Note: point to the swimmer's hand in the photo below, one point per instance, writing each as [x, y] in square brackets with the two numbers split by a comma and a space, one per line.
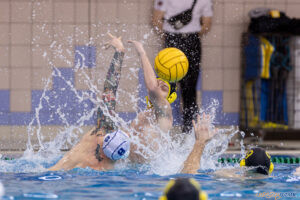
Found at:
[202, 135]
[115, 42]
[201, 127]
[138, 46]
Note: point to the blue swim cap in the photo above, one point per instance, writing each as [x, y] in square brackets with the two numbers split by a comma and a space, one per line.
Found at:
[116, 145]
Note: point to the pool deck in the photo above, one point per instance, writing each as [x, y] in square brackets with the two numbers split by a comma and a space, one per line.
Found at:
[287, 147]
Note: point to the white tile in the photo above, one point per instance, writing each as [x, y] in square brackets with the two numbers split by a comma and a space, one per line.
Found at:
[232, 35]
[233, 13]
[212, 79]
[20, 100]
[212, 58]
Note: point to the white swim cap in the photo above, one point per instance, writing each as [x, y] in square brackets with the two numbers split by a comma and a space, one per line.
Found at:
[116, 145]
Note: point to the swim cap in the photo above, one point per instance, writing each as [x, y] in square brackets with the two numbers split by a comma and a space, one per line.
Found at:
[183, 189]
[116, 145]
[172, 95]
[258, 157]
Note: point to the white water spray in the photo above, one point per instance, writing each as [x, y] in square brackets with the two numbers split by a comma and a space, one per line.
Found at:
[169, 154]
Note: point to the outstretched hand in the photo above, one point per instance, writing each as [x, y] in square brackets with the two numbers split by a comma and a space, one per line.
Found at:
[115, 42]
[201, 127]
[138, 46]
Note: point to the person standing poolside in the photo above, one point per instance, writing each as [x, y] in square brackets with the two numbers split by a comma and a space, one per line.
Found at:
[182, 24]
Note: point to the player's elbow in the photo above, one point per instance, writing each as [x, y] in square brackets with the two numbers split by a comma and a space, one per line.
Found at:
[152, 86]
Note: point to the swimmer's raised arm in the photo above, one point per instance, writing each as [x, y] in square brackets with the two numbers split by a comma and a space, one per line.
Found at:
[202, 135]
[113, 75]
[111, 84]
[149, 74]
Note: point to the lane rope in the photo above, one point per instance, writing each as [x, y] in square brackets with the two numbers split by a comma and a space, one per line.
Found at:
[274, 159]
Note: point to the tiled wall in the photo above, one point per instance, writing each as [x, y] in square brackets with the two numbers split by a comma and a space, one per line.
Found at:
[38, 36]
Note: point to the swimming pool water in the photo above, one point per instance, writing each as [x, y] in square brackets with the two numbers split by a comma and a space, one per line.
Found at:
[132, 184]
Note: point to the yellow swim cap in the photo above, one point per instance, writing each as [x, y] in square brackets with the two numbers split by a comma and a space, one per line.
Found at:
[172, 95]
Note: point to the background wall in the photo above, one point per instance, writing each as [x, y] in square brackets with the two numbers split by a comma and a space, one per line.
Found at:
[41, 39]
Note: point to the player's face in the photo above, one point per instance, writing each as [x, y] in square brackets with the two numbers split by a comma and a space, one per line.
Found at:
[164, 87]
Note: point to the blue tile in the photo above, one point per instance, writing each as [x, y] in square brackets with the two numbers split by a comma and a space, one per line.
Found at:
[92, 121]
[62, 99]
[231, 119]
[4, 118]
[86, 105]
[21, 118]
[5, 100]
[127, 116]
[49, 118]
[209, 97]
[61, 77]
[177, 115]
[85, 56]
[142, 90]
[49, 105]
[221, 118]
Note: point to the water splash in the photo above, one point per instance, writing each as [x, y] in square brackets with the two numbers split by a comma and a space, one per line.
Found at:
[2, 191]
[216, 147]
[169, 153]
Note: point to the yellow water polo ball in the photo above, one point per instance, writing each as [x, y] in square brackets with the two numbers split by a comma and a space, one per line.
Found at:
[171, 64]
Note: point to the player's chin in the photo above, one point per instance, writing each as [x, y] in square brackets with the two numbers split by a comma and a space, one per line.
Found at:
[165, 94]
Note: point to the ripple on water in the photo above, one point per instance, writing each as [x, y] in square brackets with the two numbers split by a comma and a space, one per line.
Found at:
[41, 195]
[50, 178]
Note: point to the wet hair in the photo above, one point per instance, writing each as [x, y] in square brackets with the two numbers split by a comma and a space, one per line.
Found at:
[173, 88]
[183, 189]
[258, 158]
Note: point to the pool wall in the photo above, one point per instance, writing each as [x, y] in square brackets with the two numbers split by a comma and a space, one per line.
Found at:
[36, 36]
